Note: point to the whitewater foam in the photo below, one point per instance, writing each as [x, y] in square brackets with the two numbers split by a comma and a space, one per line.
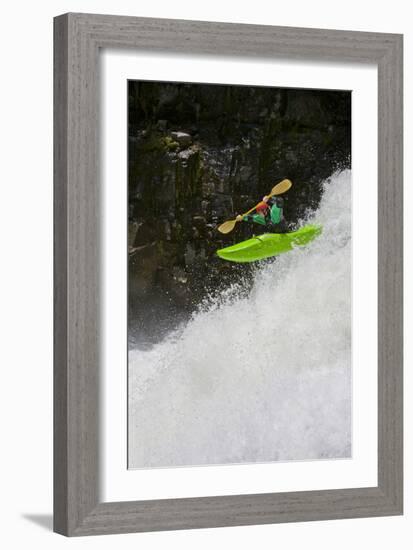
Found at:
[257, 378]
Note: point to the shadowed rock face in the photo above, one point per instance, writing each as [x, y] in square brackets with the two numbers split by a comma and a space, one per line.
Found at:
[198, 155]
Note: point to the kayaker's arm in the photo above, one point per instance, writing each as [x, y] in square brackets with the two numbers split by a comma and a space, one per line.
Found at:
[254, 218]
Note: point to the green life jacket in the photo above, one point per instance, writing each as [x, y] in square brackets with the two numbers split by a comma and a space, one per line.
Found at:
[275, 216]
[276, 213]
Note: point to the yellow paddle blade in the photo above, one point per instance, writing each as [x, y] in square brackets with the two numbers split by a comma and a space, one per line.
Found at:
[227, 227]
[280, 188]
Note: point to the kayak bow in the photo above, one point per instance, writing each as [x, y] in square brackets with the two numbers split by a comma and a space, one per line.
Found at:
[269, 244]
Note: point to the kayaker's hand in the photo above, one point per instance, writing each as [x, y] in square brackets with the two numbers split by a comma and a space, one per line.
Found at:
[239, 218]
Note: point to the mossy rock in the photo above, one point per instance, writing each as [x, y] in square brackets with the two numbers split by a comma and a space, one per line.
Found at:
[156, 143]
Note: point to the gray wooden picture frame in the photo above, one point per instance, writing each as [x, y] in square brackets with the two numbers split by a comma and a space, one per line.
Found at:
[77, 506]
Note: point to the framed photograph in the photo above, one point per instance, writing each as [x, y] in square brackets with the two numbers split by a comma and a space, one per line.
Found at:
[228, 274]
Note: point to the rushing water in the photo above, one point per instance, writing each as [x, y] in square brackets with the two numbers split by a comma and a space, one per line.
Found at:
[257, 378]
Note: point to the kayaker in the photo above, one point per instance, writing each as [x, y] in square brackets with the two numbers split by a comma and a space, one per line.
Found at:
[269, 213]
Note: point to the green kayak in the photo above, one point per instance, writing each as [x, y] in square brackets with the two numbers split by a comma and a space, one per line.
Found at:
[269, 244]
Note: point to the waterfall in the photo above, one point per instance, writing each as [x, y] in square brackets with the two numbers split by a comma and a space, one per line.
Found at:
[260, 376]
